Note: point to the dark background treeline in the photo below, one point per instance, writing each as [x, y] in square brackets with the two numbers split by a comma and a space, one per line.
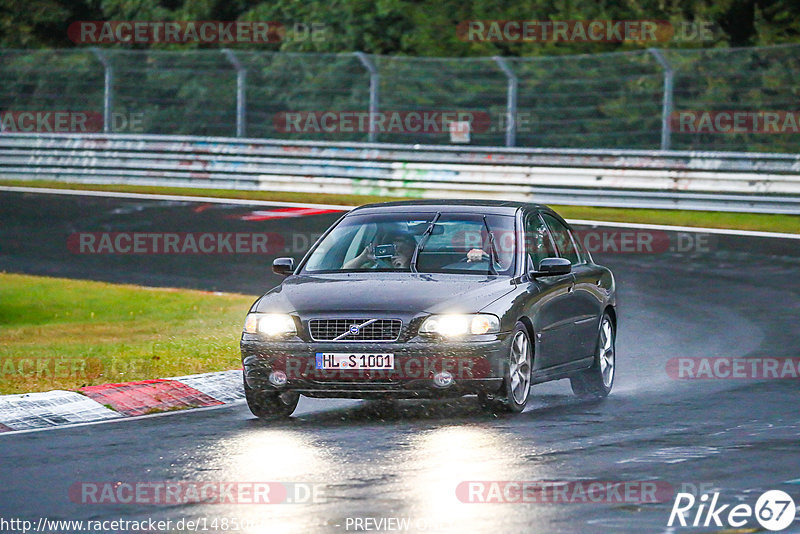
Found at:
[408, 27]
[570, 94]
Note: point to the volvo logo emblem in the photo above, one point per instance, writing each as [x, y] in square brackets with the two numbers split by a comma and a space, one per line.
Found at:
[354, 330]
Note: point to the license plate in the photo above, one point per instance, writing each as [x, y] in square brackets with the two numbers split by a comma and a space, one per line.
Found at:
[346, 360]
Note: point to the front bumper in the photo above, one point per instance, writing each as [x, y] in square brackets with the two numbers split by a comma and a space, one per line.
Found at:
[476, 365]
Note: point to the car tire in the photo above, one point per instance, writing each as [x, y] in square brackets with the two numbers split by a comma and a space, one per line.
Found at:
[517, 380]
[597, 381]
[270, 405]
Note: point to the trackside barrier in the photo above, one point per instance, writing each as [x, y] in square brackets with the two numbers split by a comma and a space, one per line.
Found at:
[719, 181]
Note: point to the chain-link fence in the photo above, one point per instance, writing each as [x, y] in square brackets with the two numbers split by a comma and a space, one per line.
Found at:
[704, 99]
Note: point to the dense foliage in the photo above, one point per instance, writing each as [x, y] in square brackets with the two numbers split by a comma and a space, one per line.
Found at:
[411, 27]
[571, 94]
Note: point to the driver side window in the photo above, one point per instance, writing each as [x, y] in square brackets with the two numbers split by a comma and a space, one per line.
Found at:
[561, 235]
[538, 244]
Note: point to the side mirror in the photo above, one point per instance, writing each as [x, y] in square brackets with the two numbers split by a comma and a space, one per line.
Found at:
[283, 266]
[553, 267]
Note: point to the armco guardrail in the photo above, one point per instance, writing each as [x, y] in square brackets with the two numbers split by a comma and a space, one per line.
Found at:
[768, 183]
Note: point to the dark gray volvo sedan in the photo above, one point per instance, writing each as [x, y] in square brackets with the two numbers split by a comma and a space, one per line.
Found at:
[428, 299]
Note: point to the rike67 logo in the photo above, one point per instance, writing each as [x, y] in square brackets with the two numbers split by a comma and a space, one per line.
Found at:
[774, 510]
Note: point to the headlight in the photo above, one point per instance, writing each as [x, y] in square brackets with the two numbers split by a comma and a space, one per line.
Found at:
[269, 324]
[459, 325]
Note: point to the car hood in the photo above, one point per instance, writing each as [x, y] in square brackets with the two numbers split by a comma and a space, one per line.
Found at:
[384, 292]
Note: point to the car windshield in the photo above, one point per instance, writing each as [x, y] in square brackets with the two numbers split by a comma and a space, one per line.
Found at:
[467, 243]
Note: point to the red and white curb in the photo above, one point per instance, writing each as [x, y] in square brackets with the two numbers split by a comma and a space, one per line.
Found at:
[89, 404]
[53, 408]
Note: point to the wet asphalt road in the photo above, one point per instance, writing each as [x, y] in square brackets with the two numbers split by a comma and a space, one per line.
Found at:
[740, 297]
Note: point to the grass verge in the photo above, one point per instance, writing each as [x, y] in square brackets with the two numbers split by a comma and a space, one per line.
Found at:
[708, 219]
[64, 334]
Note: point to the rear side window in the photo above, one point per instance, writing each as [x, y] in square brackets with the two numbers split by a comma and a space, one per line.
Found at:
[561, 235]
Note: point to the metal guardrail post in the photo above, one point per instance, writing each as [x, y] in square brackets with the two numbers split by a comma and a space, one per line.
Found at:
[666, 108]
[241, 88]
[108, 90]
[374, 81]
[511, 102]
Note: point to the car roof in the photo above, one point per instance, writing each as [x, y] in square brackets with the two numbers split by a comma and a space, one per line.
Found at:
[497, 207]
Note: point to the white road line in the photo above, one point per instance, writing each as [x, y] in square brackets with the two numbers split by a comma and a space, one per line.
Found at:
[723, 231]
[217, 200]
[179, 198]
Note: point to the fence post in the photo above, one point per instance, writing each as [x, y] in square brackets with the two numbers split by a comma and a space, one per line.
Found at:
[511, 102]
[108, 95]
[241, 87]
[374, 80]
[666, 108]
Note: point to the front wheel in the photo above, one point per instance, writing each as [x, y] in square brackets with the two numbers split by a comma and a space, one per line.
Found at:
[270, 405]
[517, 379]
[596, 382]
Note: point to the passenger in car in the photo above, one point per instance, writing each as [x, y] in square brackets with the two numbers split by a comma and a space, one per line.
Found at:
[404, 245]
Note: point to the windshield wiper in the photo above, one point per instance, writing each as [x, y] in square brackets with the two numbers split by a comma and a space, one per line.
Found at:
[425, 235]
[492, 249]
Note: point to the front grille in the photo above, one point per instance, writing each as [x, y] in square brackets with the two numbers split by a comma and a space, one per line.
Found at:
[339, 329]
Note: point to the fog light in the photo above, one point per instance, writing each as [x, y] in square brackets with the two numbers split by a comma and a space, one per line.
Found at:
[443, 379]
[277, 378]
